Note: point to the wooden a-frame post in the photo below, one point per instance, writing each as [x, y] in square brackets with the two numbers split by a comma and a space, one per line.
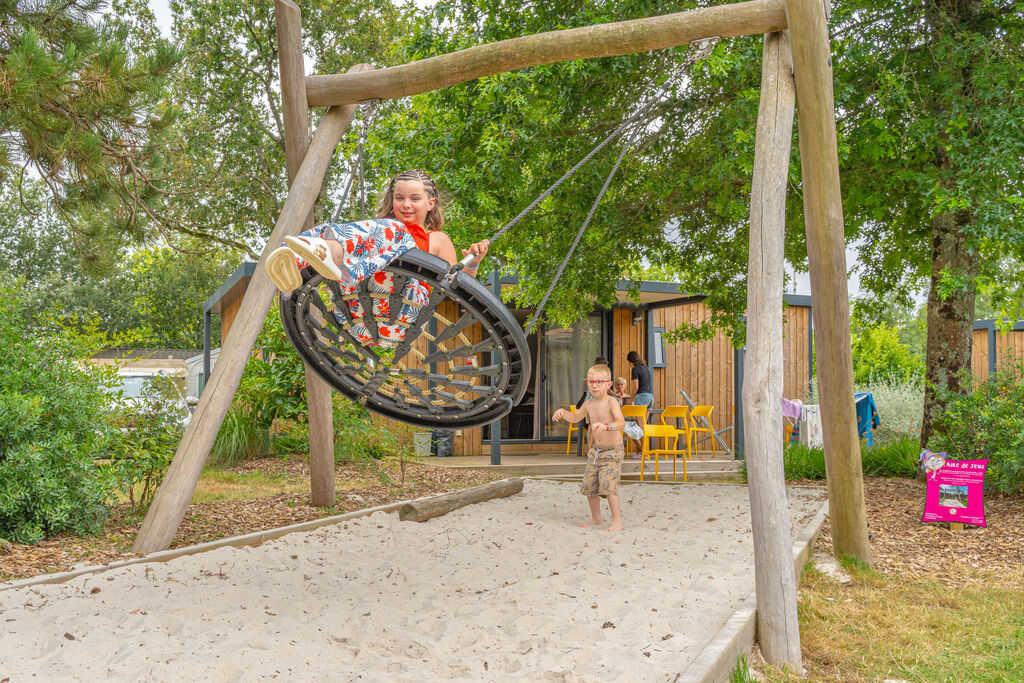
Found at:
[778, 632]
[295, 113]
[826, 256]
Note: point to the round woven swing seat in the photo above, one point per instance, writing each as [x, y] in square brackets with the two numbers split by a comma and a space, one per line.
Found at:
[441, 375]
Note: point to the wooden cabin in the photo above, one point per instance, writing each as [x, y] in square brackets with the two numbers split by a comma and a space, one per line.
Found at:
[709, 372]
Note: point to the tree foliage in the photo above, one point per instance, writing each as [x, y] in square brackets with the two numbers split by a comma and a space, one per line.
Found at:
[228, 94]
[90, 117]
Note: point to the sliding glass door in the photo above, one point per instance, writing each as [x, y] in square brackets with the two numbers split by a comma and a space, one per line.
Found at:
[567, 354]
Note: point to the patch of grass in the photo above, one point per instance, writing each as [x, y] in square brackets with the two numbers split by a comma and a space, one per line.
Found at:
[217, 485]
[241, 436]
[741, 674]
[882, 626]
[895, 459]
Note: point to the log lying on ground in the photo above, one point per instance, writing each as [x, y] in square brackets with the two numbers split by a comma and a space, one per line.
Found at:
[422, 510]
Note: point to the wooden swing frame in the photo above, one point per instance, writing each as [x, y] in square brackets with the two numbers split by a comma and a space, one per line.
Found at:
[796, 67]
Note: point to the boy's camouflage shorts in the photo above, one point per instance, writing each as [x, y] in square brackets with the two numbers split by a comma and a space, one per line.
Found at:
[604, 468]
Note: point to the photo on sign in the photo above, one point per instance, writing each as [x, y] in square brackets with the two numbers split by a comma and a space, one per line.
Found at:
[952, 496]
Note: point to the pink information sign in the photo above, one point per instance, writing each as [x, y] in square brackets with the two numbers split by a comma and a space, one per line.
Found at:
[954, 489]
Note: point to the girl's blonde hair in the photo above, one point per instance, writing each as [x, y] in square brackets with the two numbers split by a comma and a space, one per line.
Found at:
[386, 207]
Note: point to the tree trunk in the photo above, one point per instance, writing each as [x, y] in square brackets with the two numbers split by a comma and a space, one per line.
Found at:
[950, 320]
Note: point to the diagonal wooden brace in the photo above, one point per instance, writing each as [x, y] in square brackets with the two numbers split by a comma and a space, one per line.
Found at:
[175, 493]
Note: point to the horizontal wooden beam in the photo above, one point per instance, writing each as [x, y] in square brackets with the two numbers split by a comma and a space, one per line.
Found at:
[601, 40]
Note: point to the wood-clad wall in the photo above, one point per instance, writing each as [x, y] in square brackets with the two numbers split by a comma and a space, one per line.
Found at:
[796, 353]
[626, 337]
[979, 355]
[1009, 348]
[703, 370]
[227, 317]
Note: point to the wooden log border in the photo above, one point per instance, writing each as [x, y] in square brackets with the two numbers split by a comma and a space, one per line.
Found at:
[422, 510]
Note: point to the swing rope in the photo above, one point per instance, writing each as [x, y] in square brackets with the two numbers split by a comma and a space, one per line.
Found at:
[632, 125]
[368, 110]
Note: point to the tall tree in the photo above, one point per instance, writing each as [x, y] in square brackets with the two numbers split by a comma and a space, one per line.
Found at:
[931, 105]
[229, 98]
[87, 116]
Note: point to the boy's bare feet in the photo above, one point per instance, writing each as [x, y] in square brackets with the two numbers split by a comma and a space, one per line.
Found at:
[584, 525]
[616, 526]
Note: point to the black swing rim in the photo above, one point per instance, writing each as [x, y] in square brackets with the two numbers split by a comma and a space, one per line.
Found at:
[497, 321]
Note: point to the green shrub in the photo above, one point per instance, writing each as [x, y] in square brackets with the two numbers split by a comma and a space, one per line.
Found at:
[900, 405]
[987, 424]
[54, 422]
[274, 382]
[803, 462]
[356, 437]
[148, 436]
[242, 436]
[896, 459]
[880, 356]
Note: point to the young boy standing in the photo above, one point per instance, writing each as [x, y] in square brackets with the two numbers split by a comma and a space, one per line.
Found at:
[604, 459]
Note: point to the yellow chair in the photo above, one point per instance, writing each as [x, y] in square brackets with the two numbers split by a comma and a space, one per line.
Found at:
[696, 413]
[668, 433]
[678, 415]
[572, 428]
[638, 412]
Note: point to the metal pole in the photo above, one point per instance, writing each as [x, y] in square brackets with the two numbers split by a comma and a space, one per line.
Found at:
[496, 360]
[992, 359]
[206, 350]
[737, 383]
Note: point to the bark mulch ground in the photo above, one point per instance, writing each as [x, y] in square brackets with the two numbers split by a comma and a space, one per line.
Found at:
[903, 544]
[210, 521]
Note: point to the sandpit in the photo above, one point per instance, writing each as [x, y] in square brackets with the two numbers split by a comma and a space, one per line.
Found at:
[510, 588]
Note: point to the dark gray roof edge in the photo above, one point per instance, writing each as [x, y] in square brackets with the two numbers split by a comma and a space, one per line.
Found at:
[244, 270]
[992, 324]
[137, 354]
[658, 287]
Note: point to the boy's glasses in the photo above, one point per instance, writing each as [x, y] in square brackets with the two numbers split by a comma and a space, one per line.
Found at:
[598, 381]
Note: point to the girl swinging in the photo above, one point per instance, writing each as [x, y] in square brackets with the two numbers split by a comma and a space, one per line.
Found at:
[409, 216]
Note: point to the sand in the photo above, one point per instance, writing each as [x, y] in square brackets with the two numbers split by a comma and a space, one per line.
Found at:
[510, 588]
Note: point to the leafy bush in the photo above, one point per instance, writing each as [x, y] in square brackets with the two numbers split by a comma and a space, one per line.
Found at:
[987, 424]
[149, 434]
[900, 405]
[880, 356]
[803, 462]
[54, 412]
[897, 459]
[357, 437]
[274, 382]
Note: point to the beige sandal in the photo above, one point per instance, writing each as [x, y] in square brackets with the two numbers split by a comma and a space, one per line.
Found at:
[283, 269]
[317, 253]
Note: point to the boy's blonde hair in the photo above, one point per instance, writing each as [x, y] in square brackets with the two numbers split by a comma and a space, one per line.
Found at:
[620, 380]
[386, 207]
[602, 370]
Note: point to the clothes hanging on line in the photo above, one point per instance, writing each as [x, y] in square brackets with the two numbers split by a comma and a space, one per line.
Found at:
[810, 427]
[792, 409]
[867, 416]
